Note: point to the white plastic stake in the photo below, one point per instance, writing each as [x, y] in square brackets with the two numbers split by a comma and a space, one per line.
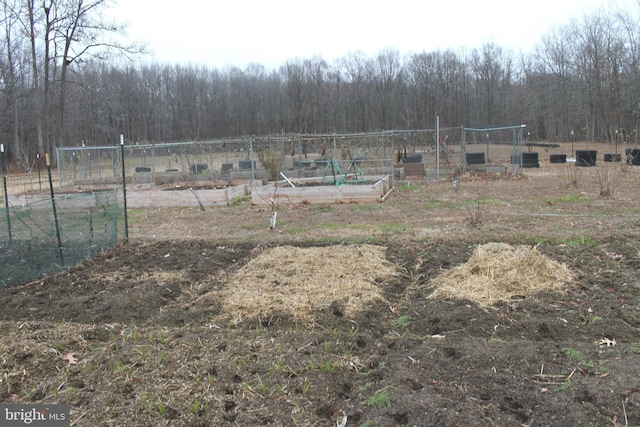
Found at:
[272, 220]
[287, 179]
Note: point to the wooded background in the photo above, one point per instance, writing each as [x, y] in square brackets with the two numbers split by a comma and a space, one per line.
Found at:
[68, 78]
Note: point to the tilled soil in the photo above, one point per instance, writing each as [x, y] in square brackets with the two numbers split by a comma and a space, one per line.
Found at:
[136, 336]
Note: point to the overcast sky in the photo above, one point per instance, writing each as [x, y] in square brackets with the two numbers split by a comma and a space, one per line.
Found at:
[227, 33]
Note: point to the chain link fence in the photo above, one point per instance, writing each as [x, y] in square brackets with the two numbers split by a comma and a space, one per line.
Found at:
[413, 152]
[496, 150]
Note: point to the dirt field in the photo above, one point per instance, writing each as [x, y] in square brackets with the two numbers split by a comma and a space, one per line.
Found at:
[211, 319]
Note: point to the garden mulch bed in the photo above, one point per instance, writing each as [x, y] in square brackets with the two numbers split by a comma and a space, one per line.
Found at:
[341, 315]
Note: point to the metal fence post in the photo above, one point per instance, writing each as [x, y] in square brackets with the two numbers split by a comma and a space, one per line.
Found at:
[438, 147]
[55, 213]
[60, 166]
[124, 191]
[6, 194]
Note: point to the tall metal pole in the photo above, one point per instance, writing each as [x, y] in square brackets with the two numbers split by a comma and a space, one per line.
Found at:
[438, 147]
[251, 162]
[573, 155]
[124, 190]
[6, 194]
[60, 164]
[300, 170]
[55, 212]
[39, 176]
[392, 178]
[463, 149]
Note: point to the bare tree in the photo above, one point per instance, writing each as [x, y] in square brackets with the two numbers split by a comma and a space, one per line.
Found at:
[388, 78]
[597, 68]
[436, 85]
[628, 25]
[9, 76]
[58, 85]
[492, 69]
[81, 33]
[294, 76]
[357, 81]
[552, 81]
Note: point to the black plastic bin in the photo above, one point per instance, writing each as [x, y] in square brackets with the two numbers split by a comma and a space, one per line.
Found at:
[613, 157]
[586, 157]
[475, 158]
[413, 158]
[530, 160]
[558, 158]
[197, 168]
[633, 156]
[246, 164]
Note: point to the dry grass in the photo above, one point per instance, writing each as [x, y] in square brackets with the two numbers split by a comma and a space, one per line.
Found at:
[608, 178]
[499, 271]
[299, 282]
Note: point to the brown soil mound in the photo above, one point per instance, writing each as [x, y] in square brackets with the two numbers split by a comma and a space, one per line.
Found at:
[500, 272]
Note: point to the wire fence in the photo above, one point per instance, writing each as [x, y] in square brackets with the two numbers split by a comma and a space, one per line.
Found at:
[39, 236]
[264, 157]
[87, 223]
[496, 149]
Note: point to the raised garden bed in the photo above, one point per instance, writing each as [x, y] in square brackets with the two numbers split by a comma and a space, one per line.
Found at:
[313, 191]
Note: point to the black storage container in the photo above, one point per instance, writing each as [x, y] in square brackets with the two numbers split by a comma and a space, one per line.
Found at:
[558, 158]
[475, 158]
[198, 168]
[586, 157]
[613, 157]
[633, 156]
[413, 158]
[246, 164]
[530, 160]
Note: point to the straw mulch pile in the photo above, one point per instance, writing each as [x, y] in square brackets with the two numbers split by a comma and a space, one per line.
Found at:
[499, 272]
[299, 282]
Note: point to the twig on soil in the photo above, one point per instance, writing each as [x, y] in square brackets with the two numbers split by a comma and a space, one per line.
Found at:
[549, 380]
[343, 422]
[77, 419]
[305, 346]
[443, 334]
[553, 379]
[320, 326]
[631, 326]
[251, 391]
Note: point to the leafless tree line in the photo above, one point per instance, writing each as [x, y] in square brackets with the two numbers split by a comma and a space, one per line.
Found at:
[65, 82]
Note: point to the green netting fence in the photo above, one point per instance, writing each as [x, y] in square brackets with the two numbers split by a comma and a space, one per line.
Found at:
[29, 244]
